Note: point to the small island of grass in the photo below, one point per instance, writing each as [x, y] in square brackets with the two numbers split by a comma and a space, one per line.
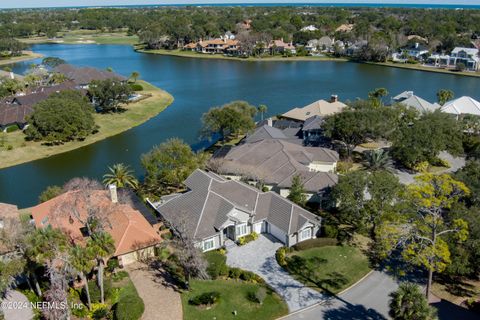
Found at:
[25, 56]
[17, 150]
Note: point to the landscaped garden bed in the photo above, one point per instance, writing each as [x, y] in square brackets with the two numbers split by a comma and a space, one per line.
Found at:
[324, 267]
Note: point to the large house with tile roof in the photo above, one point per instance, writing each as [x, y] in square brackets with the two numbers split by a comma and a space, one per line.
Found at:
[462, 106]
[216, 210]
[134, 237]
[409, 99]
[274, 163]
[320, 108]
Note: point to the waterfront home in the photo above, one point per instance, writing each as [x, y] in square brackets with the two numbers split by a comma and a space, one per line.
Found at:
[415, 50]
[218, 46]
[274, 162]
[461, 106]
[281, 47]
[83, 76]
[468, 56]
[324, 44]
[320, 108]
[409, 99]
[216, 211]
[268, 131]
[134, 237]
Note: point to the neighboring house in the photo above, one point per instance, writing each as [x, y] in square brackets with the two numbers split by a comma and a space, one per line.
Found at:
[134, 237]
[408, 99]
[345, 28]
[274, 163]
[219, 46]
[215, 210]
[352, 48]
[309, 28]
[312, 131]
[323, 44]
[461, 106]
[19, 107]
[8, 214]
[83, 76]
[318, 108]
[467, 56]
[415, 50]
[268, 131]
[280, 47]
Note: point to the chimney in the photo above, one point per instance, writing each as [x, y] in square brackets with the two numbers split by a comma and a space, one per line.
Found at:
[270, 122]
[113, 193]
[333, 98]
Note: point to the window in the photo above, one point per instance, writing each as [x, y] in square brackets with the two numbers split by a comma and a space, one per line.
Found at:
[208, 244]
[241, 230]
[305, 234]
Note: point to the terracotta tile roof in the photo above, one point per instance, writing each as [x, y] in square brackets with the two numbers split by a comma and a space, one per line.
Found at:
[127, 226]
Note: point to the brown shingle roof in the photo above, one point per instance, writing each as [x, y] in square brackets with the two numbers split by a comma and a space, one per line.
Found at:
[128, 228]
[211, 201]
[83, 76]
[276, 161]
[318, 108]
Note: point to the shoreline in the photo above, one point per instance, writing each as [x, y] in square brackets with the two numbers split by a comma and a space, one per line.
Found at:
[110, 125]
[26, 56]
[194, 55]
[415, 67]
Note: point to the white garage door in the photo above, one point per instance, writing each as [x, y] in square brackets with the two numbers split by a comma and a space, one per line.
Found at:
[277, 233]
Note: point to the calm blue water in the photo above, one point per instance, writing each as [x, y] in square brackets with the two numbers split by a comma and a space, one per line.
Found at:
[197, 85]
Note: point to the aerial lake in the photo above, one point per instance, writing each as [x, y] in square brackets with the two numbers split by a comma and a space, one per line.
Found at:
[197, 85]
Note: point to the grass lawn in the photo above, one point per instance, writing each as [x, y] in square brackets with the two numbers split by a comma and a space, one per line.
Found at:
[110, 124]
[233, 296]
[86, 37]
[191, 54]
[27, 55]
[419, 67]
[329, 268]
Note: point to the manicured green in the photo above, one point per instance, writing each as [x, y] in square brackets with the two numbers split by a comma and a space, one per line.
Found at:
[330, 268]
[129, 306]
[234, 295]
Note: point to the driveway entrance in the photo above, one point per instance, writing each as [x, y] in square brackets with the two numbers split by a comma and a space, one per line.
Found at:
[259, 256]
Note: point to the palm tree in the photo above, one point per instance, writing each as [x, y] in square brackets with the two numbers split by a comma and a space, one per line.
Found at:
[377, 95]
[81, 260]
[378, 160]
[135, 75]
[121, 176]
[444, 95]
[262, 109]
[409, 303]
[103, 246]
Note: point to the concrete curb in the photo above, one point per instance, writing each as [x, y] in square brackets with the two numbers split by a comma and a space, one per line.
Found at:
[323, 302]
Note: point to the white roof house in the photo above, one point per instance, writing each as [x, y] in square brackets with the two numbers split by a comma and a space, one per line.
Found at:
[411, 100]
[309, 28]
[462, 105]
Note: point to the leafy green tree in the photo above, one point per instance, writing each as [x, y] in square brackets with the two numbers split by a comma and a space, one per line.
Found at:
[424, 138]
[10, 87]
[422, 241]
[234, 118]
[50, 193]
[297, 191]
[444, 95]
[470, 175]
[109, 94]
[82, 261]
[103, 246]
[121, 176]
[53, 62]
[378, 160]
[169, 164]
[409, 303]
[44, 243]
[63, 117]
[262, 109]
[9, 269]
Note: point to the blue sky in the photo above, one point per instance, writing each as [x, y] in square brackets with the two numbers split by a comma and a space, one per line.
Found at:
[60, 3]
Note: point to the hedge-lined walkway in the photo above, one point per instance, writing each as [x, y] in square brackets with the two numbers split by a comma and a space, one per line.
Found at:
[162, 301]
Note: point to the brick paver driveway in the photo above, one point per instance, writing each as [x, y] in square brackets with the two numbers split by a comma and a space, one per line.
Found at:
[259, 256]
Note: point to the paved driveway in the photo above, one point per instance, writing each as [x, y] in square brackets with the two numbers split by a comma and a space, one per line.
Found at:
[21, 311]
[259, 256]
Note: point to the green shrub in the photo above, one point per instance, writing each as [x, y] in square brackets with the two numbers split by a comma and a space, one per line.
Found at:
[99, 311]
[162, 253]
[280, 255]
[440, 163]
[235, 273]
[167, 236]
[258, 296]
[117, 276]
[112, 264]
[315, 243]
[95, 291]
[330, 231]
[421, 166]
[136, 87]
[248, 238]
[205, 299]
[9, 147]
[217, 264]
[12, 128]
[175, 270]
